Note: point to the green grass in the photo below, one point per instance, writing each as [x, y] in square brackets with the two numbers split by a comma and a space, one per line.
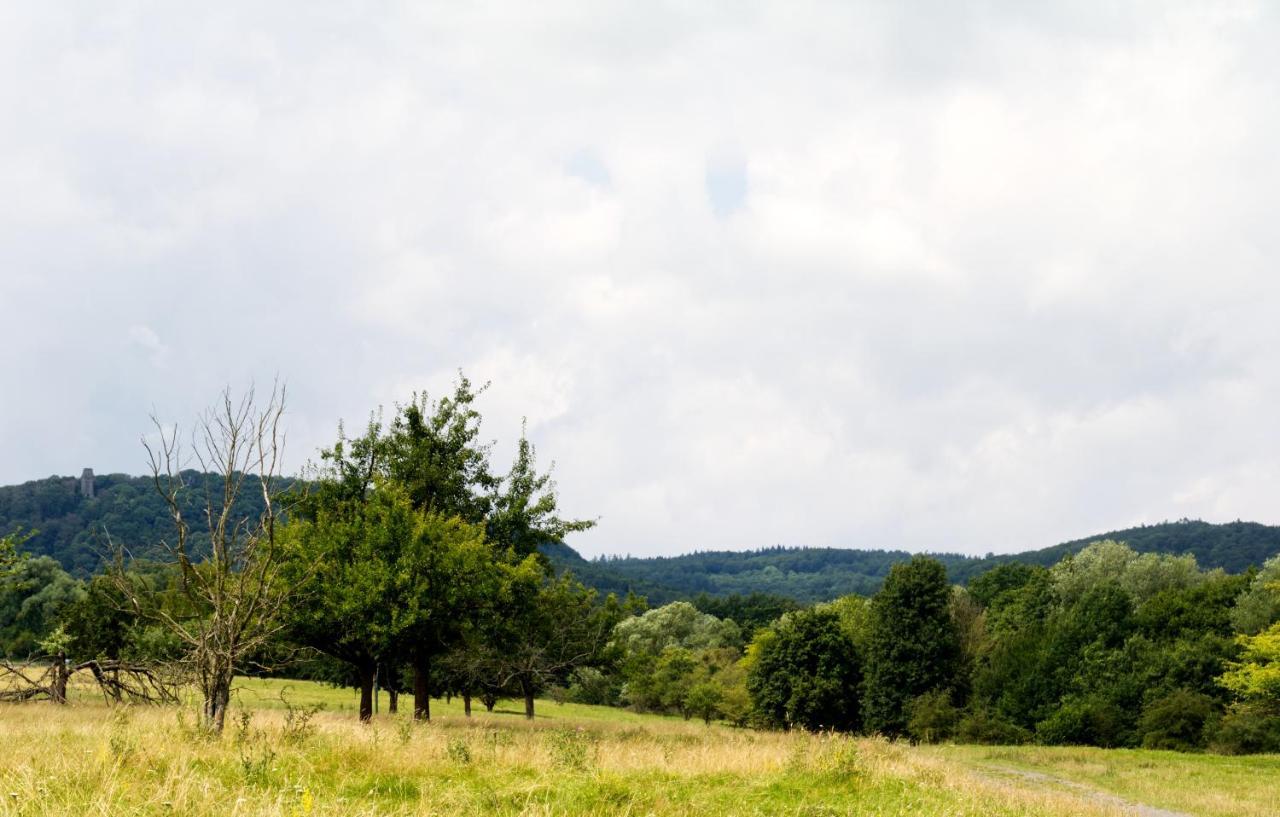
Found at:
[266, 693]
[1202, 784]
[90, 759]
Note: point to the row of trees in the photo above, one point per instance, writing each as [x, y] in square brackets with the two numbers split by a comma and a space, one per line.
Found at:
[401, 556]
[1109, 648]
[403, 560]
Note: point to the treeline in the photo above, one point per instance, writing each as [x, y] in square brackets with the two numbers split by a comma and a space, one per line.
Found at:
[77, 531]
[1109, 648]
[820, 574]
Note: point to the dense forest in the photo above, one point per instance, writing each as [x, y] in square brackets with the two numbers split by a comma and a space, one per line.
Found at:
[821, 574]
[73, 530]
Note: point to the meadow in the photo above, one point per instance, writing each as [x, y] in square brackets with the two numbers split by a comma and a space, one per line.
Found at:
[277, 759]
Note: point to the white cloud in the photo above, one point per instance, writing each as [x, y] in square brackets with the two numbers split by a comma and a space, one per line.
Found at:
[817, 273]
[145, 338]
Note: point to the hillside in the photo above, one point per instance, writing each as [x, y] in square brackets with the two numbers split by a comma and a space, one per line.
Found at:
[817, 574]
[73, 529]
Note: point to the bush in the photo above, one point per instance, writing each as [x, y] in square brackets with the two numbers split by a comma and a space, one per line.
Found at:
[703, 701]
[987, 727]
[1244, 730]
[589, 685]
[1175, 721]
[1083, 722]
[557, 693]
[932, 717]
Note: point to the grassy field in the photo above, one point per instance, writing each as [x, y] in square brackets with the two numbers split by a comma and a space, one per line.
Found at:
[1211, 785]
[89, 759]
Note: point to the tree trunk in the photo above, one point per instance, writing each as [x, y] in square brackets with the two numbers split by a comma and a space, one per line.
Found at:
[58, 692]
[393, 700]
[466, 703]
[421, 689]
[215, 686]
[366, 693]
[526, 686]
[489, 700]
[216, 699]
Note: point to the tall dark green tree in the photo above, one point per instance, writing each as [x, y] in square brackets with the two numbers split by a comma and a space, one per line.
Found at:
[447, 584]
[348, 553]
[432, 449]
[805, 673]
[912, 646]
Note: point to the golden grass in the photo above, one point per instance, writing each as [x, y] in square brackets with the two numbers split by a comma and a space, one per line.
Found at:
[90, 759]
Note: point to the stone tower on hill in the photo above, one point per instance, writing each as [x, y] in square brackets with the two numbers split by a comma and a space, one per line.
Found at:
[86, 483]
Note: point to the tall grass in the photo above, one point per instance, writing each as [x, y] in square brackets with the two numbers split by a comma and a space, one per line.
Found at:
[90, 759]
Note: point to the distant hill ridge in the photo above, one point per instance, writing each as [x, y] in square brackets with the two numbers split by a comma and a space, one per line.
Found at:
[72, 528]
[818, 574]
[73, 520]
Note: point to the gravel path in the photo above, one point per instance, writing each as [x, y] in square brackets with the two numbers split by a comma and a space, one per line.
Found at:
[1137, 809]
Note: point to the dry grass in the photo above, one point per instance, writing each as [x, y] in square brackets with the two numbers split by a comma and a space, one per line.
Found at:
[89, 759]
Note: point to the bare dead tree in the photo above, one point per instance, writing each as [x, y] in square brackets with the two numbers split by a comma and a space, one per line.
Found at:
[232, 596]
[118, 681]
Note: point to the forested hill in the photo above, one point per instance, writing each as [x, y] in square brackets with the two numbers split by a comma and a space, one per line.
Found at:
[72, 528]
[817, 574]
[1232, 546]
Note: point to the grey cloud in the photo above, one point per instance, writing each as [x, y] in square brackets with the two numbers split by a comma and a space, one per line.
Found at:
[864, 274]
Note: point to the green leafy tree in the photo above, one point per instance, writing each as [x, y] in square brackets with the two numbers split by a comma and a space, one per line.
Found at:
[524, 515]
[750, 611]
[703, 699]
[913, 647]
[348, 552]
[1175, 721]
[1258, 605]
[1140, 575]
[645, 641]
[9, 555]
[989, 588]
[1255, 678]
[32, 601]
[445, 583]
[855, 618]
[804, 673]
[678, 624]
[546, 629]
[432, 449]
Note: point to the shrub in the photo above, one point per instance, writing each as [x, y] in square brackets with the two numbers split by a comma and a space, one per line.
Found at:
[703, 701]
[458, 751]
[1244, 730]
[987, 727]
[589, 685]
[932, 717]
[1175, 721]
[1083, 722]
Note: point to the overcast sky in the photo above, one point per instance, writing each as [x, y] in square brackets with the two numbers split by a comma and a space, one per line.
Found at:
[864, 275]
